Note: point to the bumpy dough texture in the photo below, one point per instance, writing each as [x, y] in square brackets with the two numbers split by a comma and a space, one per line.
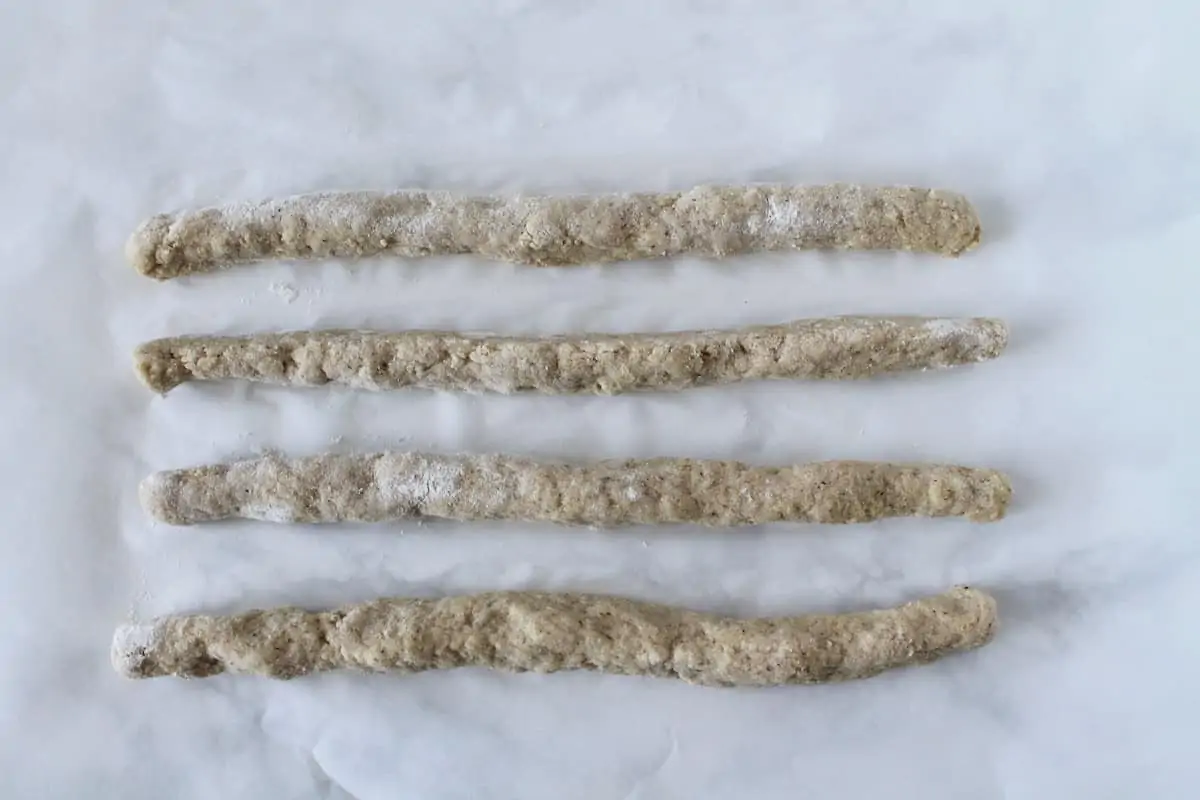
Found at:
[837, 348]
[557, 231]
[390, 486]
[523, 631]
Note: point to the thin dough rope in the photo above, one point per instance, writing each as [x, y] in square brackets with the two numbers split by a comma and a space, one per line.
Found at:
[540, 632]
[379, 487]
[557, 231]
[831, 349]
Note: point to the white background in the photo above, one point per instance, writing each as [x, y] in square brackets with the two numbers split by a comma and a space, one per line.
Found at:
[1075, 128]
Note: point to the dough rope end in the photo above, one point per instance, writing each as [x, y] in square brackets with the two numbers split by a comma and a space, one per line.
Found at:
[979, 616]
[158, 367]
[993, 494]
[542, 632]
[967, 340]
[132, 646]
[141, 249]
[158, 496]
[994, 336]
[962, 229]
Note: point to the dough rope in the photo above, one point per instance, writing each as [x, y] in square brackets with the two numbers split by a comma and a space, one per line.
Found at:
[386, 486]
[556, 231]
[540, 632]
[829, 349]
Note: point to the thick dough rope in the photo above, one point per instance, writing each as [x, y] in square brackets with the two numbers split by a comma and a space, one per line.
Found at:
[830, 349]
[531, 631]
[557, 231]
[379, 487]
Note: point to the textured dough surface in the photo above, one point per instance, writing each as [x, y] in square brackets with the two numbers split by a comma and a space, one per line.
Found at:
[523, 631]
[557, 231]
[836, 348]
[378, 487]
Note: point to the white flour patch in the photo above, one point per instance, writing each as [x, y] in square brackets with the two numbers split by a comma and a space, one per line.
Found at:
[977, 339]
[791, 215]
[255, 475]
[420, 226]
[947, 327]
[785, 215]
[345, 212]
[153, 488]
[269, 513]
[130, 643]
[415, 481]
[415, 218]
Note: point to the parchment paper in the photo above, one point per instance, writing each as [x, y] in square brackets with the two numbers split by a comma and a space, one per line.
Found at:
[1073, 126]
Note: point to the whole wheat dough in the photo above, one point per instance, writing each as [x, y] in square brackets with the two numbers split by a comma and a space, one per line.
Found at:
[391, 486]
[837, 348]
[523, 631]
[557, 231]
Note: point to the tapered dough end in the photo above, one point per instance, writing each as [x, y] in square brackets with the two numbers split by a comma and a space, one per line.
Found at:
[158, 367]
[964, 231]
[993, 493]
[972, 615]
[992, 337]
[132, 646]
[156, 493]
[142, 247]
[965, 340]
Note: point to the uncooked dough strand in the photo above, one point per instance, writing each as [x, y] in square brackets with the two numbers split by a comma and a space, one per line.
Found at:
[523, 631]
[557, 231]
[837, 348]
[392, 486]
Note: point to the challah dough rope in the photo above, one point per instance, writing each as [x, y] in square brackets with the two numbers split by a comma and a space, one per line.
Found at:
[522, 631]
[378, 487]
[829, 349]
[557, 231]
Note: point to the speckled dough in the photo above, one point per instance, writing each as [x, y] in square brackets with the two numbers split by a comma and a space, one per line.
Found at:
[530, 631]
[832, 349]
[392, 486]
[557, 231]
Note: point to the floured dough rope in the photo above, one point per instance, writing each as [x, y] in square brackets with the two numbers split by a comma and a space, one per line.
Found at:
[836, 348]
[523, 631]
[391, 486]
[556, 231]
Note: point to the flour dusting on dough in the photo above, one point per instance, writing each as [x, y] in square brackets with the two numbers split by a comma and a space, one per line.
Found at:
[281, 512]
[392, 486]
[130, 645]
[413, 480]
[949, 326]
[547, 632]
[784, 215]
[557, 231]
[821, 349]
